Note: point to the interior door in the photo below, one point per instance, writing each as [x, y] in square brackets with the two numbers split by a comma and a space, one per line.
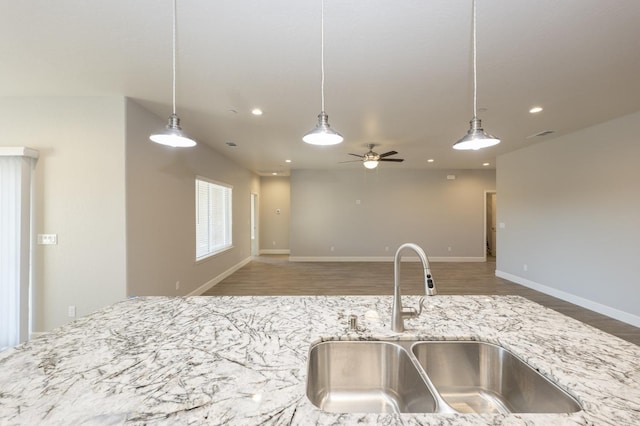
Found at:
[492, 233]
[490, 223]
[254, 225]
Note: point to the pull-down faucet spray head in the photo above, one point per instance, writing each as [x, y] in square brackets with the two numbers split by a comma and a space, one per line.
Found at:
[429, 285]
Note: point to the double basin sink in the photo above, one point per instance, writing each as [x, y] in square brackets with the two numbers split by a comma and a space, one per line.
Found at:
[428, 377]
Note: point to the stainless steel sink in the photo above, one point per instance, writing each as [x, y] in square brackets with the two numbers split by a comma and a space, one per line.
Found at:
[476, 377]
[369, 377]
[428, 377]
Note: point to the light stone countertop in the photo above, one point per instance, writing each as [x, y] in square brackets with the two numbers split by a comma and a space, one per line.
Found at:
[242, 361]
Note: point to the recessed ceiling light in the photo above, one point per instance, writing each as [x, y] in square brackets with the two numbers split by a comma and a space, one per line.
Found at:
[287, 161]
[430, 160]
[486, 164]
[256, 111]
[535, 110]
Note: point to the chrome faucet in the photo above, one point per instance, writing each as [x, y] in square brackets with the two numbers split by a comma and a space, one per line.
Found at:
[398, 313]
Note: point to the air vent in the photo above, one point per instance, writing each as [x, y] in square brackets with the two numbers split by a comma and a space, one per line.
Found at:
[543, 133]
[231, 144]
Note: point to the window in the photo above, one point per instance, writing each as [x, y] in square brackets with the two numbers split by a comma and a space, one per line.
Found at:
[213, 218]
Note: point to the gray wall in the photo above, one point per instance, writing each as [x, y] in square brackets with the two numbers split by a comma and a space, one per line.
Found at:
[161, 211]
[367, 215]
[79, 195]
[275, 195]
[122, 207]
[571, 210]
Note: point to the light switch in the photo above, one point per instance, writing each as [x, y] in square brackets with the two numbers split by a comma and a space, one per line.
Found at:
[47, 239]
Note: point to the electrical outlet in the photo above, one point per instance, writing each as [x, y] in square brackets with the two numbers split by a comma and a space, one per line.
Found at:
[525, 267]
[449, 248]
[177, 285]
[47, 239]
[71, 311]
[332, 248]
[386, 248]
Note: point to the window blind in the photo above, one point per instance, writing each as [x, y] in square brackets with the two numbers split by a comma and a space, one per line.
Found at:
[16, 168]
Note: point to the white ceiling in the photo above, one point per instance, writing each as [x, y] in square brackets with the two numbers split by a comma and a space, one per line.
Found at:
[398, 73]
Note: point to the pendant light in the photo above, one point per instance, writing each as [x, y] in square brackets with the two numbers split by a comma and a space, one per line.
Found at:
[172, 134]
[322, 134]
[476, 138]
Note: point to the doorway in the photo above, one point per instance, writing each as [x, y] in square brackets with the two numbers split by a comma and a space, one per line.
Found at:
[490, 225]
[254, 225]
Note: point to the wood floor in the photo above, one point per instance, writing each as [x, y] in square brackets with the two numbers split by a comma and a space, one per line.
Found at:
[275, 275]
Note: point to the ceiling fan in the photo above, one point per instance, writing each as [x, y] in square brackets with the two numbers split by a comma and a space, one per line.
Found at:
[370, 159]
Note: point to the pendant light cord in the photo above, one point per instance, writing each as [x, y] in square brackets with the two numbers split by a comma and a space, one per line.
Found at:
[174, 57]
[475, 81]
[322, 55]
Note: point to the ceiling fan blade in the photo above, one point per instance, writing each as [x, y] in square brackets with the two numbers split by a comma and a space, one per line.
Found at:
[386, 154]
[350, 161]
[357, 155]
[397, 160]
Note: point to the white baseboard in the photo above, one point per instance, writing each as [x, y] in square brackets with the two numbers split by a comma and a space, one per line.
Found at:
[380, 259]
[206, 286]
[274, 251]
[576, 300]
[341, 258]
[458, 259]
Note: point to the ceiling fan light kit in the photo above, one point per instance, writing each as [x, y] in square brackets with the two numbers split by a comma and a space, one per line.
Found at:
[371, 159]
[322, 134]
[172, 135]
[370, 162]
[476, 138]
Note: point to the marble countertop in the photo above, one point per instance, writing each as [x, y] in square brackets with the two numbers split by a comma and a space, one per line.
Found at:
[242, 361]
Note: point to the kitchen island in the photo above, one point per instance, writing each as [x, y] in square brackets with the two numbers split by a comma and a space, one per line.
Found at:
[242, 361]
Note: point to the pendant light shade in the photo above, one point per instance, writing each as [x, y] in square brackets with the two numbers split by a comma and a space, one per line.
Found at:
[322, 134]
[172, 134]
[476, 138]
